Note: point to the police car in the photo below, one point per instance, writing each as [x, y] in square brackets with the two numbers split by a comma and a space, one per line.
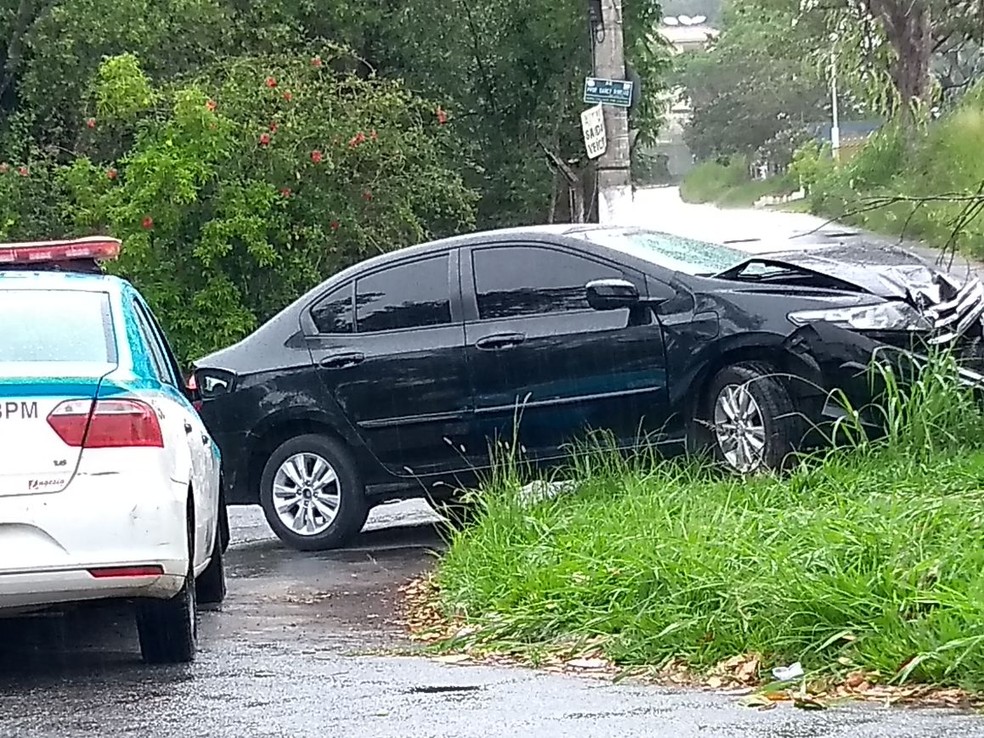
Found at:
[110, 484]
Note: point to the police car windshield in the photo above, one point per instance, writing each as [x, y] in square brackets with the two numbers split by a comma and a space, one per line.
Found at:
[41, 326]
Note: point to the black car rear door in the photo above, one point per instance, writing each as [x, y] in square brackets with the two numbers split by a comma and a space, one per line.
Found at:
[389, 350]
[539, 356]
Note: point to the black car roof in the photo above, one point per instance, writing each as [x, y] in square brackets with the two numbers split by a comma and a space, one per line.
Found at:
[500, 235]
[285, 321]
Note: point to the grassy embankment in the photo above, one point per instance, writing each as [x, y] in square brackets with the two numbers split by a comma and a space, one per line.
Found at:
[866, 559]
[729, 185]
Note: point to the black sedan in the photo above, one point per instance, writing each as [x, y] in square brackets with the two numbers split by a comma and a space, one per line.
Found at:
[395, 377]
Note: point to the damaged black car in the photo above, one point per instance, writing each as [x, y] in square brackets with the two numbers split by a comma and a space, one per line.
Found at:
[397, 377]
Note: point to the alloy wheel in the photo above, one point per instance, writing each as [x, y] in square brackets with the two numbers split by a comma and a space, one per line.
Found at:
[306, 494]
[739, 428]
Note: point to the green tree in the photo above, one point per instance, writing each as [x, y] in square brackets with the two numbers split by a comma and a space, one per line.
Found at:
[51, 51]
[888, 47]
[755, 92]
[508, 75]
[256, 180]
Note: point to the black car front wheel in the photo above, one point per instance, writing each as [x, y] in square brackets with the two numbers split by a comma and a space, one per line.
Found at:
[752, 423]
[311, 493]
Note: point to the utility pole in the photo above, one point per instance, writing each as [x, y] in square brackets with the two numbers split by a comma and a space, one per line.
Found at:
[614, 175]
[835, 138]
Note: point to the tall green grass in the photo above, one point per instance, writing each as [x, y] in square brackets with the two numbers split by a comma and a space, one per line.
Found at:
[730, 185]
[709, 180]
[870, 555]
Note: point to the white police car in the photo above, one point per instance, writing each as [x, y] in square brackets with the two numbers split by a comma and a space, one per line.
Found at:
[109, 481]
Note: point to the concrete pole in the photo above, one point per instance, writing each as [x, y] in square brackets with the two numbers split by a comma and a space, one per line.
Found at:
[614, 176]
[835, 138]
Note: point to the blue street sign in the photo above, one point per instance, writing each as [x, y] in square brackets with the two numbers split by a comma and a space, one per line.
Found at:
[608, 92]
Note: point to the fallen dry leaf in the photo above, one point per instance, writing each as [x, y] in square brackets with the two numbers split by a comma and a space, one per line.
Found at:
[453, 658]
[593, 663]
[760, 701]
[748, 671]
[778, 696]
[808, 702]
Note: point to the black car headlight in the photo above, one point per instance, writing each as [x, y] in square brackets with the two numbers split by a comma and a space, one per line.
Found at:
[885, 316]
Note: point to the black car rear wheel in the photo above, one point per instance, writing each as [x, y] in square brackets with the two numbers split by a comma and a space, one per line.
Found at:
[311, 493]
[752, 423]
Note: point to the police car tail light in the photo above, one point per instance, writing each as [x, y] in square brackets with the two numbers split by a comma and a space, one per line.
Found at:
[106, 424]
[96, 248]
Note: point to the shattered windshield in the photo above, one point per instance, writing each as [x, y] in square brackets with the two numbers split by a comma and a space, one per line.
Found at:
[697, 258]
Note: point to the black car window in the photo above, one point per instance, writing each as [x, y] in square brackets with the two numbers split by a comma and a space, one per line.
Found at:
[512, 281]
[334, 313]
[414, 295]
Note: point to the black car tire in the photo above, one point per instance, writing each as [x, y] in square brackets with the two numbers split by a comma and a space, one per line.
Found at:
[210, 587]
[781, 424]
[168, 629]
[352, 506]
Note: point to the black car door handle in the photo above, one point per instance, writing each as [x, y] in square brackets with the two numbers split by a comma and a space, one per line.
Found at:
[342, 361]
[500, 341]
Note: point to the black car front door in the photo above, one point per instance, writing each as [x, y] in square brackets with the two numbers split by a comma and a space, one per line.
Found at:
[541, 360]
[390, 351]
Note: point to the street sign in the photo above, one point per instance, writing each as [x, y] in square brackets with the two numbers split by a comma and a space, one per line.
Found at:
[593, 127]
[608, 92]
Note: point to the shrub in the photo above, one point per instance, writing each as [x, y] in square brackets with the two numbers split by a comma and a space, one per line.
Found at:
[940, 158]
[238, 190]
[708, 181]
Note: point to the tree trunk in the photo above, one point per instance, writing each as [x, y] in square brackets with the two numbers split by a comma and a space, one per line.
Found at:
[907, 28]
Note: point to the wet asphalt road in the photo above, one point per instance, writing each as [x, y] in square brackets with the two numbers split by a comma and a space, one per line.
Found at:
[306, 647]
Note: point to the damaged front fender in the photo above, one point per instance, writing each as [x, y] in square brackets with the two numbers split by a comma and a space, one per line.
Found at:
[845, 360]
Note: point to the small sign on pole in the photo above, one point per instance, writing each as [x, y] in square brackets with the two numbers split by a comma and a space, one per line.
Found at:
[593, 127]
[608, 92]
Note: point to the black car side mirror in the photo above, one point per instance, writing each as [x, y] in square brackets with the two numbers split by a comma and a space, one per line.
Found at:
[612, 294]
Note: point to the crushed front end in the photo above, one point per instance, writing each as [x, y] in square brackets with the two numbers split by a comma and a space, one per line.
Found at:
[935, 316]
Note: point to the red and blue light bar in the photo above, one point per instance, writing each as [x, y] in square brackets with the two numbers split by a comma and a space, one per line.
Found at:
[91, 248]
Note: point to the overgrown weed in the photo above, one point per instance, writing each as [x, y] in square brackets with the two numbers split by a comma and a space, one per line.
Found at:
[866, 556]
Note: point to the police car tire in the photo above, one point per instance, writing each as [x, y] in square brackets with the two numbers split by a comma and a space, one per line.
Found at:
[353, 509]
[224, 531]
[168, 629]
[211, 585]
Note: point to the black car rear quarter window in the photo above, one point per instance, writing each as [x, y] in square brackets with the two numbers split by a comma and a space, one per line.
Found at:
[334, 313]
[410, 295]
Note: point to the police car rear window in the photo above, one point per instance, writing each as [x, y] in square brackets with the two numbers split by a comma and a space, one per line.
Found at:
[56, 326]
